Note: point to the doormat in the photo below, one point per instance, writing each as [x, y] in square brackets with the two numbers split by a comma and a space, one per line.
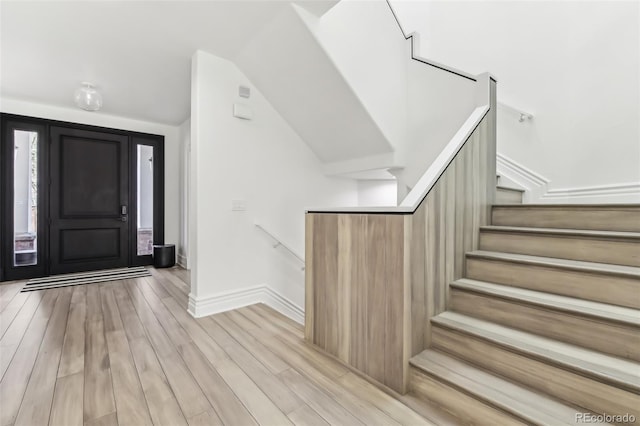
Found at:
[92, 277]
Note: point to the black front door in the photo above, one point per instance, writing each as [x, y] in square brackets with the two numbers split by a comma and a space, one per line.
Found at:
[89, 197]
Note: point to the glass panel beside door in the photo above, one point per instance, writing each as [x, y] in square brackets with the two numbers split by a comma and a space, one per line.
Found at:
[25, 198]
[24, 237]
[144, 165]
[147, 207]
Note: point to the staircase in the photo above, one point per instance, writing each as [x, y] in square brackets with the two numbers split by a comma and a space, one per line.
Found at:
[507, 193]
[545, 325]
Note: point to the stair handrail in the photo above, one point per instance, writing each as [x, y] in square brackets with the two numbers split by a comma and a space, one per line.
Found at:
[523, 114]
[415, 49]
[280, 243]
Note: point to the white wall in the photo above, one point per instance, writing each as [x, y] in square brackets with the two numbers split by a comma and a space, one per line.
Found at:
[364, 41]
[171, 145]
[185, 190]
[288, 65]
[418, 107]
[574, 65]
[439, 102]
[262, 163]
[377, 193]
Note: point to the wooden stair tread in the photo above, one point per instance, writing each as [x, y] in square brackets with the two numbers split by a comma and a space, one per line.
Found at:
[493, 390]
[507, 188]
[571, 305]
[577, 265]
[564, 232]
[596, 365]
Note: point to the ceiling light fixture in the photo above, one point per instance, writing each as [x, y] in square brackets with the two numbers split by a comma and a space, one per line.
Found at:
[88, 98]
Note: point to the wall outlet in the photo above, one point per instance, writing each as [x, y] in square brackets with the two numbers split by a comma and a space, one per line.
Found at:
[238, 205]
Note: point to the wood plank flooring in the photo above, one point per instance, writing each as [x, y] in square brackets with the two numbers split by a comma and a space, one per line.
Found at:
[128, 353]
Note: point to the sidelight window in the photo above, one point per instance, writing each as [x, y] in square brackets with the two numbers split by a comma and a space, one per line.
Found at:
[25, 199]
[144, 166]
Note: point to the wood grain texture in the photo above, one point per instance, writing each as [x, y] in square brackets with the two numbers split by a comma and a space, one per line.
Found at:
[36, 403]
[358, 289]
[465, 407]
[605, 336]
[67, 401]
[590, 246]
[574, 279]
[309, 325]
[103, 355]
[445, 227]
[508, 196]
[15, 379]
[373, 281]
[516, 400]
[595, 217]
[558, 382]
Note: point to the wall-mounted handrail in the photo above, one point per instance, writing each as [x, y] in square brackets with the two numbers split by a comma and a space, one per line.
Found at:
[523, 114]
[415, 49]
[279, 243]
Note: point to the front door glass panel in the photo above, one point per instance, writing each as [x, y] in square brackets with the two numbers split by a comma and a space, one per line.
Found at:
[144, 168]
[25, 199]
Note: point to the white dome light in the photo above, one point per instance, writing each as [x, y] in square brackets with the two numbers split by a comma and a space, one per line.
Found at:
[88, 98]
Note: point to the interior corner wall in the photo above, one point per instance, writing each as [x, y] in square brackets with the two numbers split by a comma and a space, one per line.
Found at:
[263, 169]
[171, 146]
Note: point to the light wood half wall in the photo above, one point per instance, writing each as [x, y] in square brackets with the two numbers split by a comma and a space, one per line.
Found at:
[374, 279]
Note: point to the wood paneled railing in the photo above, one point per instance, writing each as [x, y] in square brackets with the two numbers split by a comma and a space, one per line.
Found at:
[374, 277]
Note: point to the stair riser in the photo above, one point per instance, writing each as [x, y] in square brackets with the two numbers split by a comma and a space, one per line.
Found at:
[602, 250]
[505, 196]
[558, 382]
[599, 287]
[599, 334]
[582, 217]
[468, 409]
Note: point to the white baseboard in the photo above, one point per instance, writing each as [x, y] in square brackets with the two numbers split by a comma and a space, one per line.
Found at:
[248, 296]
[183, 261]
[615, 193]
[534, 184]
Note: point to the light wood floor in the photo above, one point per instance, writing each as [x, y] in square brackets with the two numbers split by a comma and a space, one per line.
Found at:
[128, 353]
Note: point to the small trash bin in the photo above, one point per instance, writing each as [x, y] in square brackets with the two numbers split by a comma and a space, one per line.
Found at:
[164, 255]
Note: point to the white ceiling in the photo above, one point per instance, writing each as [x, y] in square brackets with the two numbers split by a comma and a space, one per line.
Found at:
[138, 53]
